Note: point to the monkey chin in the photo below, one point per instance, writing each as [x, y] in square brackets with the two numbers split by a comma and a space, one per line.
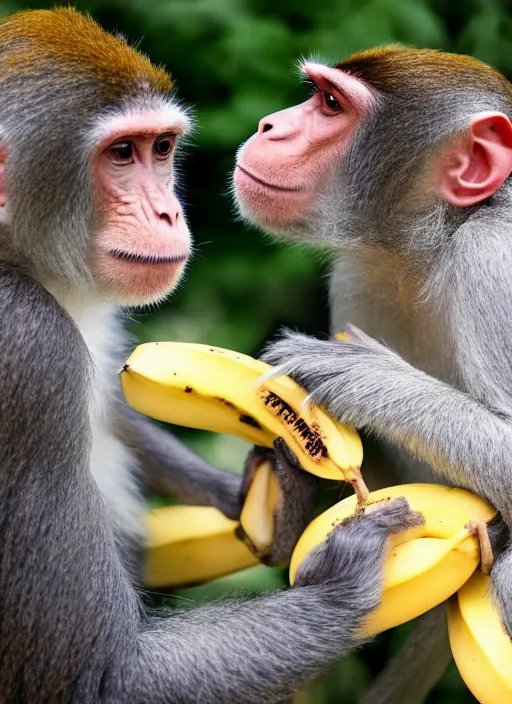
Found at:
[272, 222]
[278, 211]
[139, 284]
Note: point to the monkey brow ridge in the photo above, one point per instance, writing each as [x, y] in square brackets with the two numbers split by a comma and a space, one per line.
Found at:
[79, 45]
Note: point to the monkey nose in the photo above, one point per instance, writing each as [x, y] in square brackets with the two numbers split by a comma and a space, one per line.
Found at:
[170, 219]
[166, 208]
[264, 125]
[281, 125]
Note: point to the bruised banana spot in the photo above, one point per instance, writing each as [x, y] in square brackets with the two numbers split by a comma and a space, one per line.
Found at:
[225, 402]
[243, 417]
[188, 389]
[249, 420]
[308, 437]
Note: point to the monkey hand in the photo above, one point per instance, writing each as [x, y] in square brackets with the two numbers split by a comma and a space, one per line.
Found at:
[350, 378]
[278, 501]
[354, 553]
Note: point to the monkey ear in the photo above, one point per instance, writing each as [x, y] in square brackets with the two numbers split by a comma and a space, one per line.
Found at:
[476, 167]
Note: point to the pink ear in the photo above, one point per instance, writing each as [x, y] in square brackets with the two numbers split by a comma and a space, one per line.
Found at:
[476, 167]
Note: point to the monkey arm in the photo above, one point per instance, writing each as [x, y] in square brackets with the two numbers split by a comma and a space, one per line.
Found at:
[264, 649]
[365, 384]
[71, 624]
[169, 467]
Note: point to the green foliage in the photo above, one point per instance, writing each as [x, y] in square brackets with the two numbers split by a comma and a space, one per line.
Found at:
[234, 62]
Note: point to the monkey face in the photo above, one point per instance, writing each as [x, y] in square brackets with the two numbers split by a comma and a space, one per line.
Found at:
[389, 137]
[282, 169]
[141, 241]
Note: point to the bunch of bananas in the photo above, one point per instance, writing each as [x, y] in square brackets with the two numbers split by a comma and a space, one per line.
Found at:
[426, 564]
[215, 389]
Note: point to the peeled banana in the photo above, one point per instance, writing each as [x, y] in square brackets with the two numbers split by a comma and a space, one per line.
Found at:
[481, 647]
[191, 544]
[207, 387]
[257, 516]
[426, 564]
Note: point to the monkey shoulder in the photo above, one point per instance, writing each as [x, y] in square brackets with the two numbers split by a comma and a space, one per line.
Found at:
[40, 346]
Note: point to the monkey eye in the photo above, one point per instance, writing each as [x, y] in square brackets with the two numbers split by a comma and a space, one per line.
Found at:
[164, 146]
[330, 102]
[121, 153]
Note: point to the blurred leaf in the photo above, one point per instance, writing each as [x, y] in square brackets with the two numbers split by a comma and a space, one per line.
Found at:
[255, 579]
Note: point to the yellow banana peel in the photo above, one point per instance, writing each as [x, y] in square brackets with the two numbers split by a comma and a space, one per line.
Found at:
[427, 563]
[202, 386]
[481, 647]
[191, 544]
[257, 516]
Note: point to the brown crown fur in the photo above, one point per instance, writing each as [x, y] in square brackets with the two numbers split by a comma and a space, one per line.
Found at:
[396, 68]
[35, 39]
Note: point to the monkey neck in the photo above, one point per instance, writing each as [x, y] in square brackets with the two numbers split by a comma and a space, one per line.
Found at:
[382, 292]
[99, 324]
[390, 291]
[81, 305]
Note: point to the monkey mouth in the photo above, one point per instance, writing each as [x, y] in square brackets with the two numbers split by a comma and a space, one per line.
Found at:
[273, 186]
[134, 258]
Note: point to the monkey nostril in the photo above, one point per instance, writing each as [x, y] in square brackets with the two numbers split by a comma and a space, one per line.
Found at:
[164, 216]
[177, 216]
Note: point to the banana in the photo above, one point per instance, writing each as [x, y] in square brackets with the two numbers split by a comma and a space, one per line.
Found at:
[211, 388]
[193, 385]
[191, 544]
[257, 516]
[481, 647]
[325, 441]
[427, 563]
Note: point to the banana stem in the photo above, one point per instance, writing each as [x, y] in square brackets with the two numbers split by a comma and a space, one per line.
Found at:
[478, 528]
[362, 491]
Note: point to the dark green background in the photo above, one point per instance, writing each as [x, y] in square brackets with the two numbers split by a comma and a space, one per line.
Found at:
[234, 61]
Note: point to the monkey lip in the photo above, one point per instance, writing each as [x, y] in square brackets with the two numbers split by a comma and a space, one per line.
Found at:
[152, 259]
[266, 184]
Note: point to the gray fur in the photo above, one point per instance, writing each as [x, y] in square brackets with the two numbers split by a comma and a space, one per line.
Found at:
[430, 378]
[460, 425]
[72, 628]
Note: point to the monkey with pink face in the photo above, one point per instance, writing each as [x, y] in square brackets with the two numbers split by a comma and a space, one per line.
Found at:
[400, 161]
[89, 220]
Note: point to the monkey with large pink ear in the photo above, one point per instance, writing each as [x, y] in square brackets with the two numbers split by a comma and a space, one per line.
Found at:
[89, 221]
[400, 161]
